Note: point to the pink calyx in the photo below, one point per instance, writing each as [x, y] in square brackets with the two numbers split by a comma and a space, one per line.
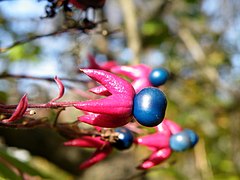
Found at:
[114, 110]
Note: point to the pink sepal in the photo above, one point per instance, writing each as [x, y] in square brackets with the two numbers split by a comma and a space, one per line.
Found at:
[112, 82]
[156, 158]
[133, 72]
[92, 62]
[156, 140]
[139, 74]
[108, 65]
[172, 126]
[104, 66]
[98, 155]
[115, 105]
[20, 110]
[100, 90]
[60, 87]
[86, 141]
[103, 119]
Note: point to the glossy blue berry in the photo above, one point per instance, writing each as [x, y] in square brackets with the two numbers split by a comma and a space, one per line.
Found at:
[149, 106]
[125, 138]
[193, 137]
[180, 141]
[158, 76]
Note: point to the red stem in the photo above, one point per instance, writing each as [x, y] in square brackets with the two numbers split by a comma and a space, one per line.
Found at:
[47, 105]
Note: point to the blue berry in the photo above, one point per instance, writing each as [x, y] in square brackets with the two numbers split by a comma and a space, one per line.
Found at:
[180, 141]
[193, 137]
[158, 76]
[125, 138]
[149, 106]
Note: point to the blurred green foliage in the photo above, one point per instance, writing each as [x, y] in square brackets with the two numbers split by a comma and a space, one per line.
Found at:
[23, 52]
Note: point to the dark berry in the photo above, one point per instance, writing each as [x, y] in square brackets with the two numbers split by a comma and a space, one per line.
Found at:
[149, 106]
[158, 76]
[180, 141]
[193, 137]
[125, 138]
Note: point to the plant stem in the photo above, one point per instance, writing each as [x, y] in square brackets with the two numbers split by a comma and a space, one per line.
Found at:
[21, 76]
[46, 105]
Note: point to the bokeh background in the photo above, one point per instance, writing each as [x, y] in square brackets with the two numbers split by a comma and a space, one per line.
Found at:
[197, 41]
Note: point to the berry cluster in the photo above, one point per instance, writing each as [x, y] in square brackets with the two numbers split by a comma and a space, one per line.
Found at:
[120, 115]
[140, 99]
[132, 100]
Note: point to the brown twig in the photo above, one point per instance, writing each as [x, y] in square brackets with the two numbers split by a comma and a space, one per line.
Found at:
[26, 124]
[72, 130]
[83, 29]
[50, 79]
[132, 32]
[23, 41]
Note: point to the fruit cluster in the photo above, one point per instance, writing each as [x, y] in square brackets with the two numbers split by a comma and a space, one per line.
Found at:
[119, 116]
[140, 99]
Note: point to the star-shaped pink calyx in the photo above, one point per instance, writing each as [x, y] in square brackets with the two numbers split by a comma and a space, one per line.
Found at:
[112, 111]
[158, 143]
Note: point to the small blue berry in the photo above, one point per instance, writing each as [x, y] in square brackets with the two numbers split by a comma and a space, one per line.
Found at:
[180, 141]
[193, 136]
[149, 106]
[158, 76]
[125, 138]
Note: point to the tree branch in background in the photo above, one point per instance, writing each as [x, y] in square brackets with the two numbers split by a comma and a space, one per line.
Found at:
[131, 25]
[49, 79]
[26, 40]
[21, 76]
[83, 29]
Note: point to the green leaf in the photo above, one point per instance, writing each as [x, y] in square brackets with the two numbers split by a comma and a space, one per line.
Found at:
[24, 167]
[50, 169]
[23, 52]
[3, 97]
[6, 173]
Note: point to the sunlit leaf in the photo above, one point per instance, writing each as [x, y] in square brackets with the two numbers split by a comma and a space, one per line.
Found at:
[7, 173]
[3, 97]
[50, 169]
[23, 52]
[23, 166]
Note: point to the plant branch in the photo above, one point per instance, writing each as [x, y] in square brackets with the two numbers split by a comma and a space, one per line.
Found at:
[23, 41]
[21, 76]
[83, 29]
[49, 79]
[72, 130]
[46, 105]
[131, 23]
